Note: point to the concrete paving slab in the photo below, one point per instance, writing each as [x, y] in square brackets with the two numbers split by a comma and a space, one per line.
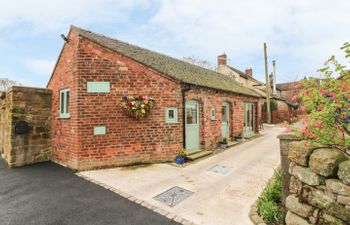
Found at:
[217, 199]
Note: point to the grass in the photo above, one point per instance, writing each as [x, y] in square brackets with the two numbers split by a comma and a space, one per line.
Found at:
[270, 200]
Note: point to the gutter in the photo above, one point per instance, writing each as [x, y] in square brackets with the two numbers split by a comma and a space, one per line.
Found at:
[184, 88]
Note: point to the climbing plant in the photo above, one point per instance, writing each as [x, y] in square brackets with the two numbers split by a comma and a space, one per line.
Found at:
[327, 105]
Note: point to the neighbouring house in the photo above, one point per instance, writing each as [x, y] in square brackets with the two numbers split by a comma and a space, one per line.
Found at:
[194, 108]
[283, 110]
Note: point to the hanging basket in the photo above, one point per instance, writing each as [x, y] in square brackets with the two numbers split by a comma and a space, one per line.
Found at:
[136, 106]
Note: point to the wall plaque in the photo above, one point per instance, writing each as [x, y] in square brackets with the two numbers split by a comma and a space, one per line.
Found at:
[99, 130]
[98, 87]
[21, 127]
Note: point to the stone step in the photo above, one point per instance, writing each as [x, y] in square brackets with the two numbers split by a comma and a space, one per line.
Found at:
[199, 154]
[194, 152]
[232, 143]
[248, 136]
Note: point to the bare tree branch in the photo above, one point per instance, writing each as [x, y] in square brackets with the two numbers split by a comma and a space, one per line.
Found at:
[6, 84]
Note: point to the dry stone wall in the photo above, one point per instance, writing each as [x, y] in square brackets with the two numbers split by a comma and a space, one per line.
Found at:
[319, 185]
[32, 106]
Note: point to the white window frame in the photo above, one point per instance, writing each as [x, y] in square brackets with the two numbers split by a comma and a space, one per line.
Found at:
[64, 112]
[171, 120]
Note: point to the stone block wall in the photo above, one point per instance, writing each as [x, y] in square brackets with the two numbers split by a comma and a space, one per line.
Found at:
[32, 105]
[319, 185]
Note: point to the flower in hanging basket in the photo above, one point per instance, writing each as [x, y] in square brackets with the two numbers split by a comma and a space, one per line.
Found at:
[136, 106]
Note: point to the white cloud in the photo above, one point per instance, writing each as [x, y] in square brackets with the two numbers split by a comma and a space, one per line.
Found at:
[300, 34]
[42, 67]
[46, 15]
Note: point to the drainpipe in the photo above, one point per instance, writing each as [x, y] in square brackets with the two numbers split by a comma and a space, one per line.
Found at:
[184, 89]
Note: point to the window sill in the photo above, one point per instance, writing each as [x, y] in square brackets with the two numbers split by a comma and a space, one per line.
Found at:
[63, 117]
[172, 122]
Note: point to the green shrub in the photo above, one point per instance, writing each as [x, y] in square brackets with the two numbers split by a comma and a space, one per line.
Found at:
[270, 199]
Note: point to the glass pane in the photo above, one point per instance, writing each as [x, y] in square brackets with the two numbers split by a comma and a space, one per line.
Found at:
[62, 102]
[224, 114]
[248, 115]
[171, 114]
[67, 101]
[191, 114]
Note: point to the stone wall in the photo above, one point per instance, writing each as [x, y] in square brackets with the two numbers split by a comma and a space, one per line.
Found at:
[32, 105]
[318, 183]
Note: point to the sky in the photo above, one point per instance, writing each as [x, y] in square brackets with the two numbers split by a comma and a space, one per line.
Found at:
[300, 34]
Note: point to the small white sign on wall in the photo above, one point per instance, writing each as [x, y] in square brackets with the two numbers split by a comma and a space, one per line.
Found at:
[98, 87]
[99, 130]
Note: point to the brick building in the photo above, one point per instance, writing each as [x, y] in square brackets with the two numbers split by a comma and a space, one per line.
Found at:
[90, 129]
[285, 109]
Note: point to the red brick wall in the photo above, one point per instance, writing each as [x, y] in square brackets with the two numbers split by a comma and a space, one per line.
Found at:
[65, 131]
[211, 130]
[127, 140]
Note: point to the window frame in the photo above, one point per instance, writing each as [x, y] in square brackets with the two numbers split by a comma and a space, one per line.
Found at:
[65, 113]
[213, 117]
[173, 120]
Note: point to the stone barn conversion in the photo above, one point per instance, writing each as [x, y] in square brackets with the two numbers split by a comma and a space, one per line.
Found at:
[194, 108]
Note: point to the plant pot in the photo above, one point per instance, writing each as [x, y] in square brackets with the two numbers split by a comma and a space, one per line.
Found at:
[239, 138]
[179, 160]
[223, 145]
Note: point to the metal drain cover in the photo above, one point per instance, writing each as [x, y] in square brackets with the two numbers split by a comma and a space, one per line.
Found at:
[220, 169]
[173, 196]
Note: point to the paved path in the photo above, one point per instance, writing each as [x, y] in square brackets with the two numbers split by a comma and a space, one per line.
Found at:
[218, 199]
[49, 194]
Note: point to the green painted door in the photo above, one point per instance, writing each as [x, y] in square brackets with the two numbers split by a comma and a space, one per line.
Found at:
[225, 124]
[249, 115]
[192, 126]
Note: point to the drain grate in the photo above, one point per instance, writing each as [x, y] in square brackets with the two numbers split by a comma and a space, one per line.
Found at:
[173, 196]
[220, 169]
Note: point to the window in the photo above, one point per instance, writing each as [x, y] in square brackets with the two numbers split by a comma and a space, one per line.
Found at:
[191, 114]
[171, 115]
[213, 114]
[64, 103]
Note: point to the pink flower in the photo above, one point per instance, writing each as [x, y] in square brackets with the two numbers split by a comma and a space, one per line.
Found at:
[303, 109]
[304, 129]
[297, 85]
[320, 107]
[295, 98]
[332, 94]
[323, 92]
[317, 125]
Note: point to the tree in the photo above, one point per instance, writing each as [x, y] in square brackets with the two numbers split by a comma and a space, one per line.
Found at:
[197, 61]
[327, 103]
[6, 84]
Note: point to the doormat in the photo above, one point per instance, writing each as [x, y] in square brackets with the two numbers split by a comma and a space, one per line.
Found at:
[173, 196]
[220, 169]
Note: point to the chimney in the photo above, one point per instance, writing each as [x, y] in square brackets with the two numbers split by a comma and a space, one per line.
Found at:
[222, 59]
[249, 71]
[274, 88]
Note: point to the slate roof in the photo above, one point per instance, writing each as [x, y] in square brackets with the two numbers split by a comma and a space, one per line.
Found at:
[175, 68]
[244, 75]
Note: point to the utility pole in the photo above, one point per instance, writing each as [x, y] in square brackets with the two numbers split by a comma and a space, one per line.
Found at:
[267, 87]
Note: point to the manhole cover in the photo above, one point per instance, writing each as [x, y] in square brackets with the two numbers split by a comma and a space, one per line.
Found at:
[220, 169]
[173, 196]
